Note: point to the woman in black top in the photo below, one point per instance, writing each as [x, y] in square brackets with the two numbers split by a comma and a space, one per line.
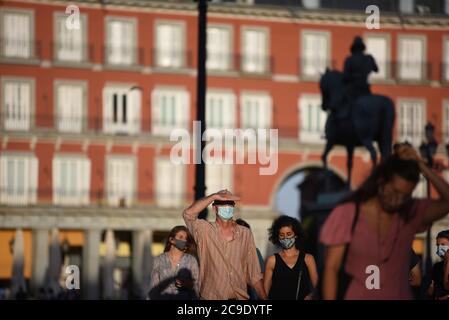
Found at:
[439, 288]
[290, 274]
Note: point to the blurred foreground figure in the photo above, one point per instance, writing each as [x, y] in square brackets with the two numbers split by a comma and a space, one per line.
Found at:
[369, 236]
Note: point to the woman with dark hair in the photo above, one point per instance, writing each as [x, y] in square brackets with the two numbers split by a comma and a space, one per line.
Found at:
[290, 274]
[175, 272]
[369, 236]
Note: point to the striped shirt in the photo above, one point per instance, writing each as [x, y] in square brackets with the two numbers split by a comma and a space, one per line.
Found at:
[226, 267]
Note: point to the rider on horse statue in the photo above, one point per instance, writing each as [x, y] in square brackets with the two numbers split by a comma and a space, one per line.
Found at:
[357, 68]
[356, 117]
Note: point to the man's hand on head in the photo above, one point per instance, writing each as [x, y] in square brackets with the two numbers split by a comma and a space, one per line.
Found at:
[225, 195]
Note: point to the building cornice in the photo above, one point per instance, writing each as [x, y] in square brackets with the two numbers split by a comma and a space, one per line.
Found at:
[265, 13]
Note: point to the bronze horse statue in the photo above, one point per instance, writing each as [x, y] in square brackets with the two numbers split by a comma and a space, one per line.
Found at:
[367, 119]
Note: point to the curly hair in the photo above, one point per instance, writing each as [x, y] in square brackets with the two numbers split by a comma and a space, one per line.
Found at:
[286, 221]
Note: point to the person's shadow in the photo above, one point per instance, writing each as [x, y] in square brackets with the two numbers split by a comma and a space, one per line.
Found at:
[184, 292]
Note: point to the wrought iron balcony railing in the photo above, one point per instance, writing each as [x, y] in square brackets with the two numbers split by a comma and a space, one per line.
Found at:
[20, 49]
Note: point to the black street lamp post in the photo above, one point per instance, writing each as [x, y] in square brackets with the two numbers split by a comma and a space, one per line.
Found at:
[200, 177]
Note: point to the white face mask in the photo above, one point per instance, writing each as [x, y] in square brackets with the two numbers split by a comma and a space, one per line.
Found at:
[226, 213]
[441, 250]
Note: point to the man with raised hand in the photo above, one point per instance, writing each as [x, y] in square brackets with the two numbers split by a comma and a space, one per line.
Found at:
[226, 250]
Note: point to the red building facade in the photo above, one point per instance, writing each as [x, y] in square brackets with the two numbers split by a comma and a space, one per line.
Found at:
[87, 113]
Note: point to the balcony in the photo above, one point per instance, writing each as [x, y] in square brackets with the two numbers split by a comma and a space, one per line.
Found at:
[18, 51]
[255, 65]
[411, 72]
[131, 127]
[71, 124]
[96, 125]
[71, 197]
[123, 57]
[165, 128]
[389, 71]
[173, 60]
[18, 195]
[218, 62]
[311, 69]
[73, 54]
[247, 65]
[15, 122]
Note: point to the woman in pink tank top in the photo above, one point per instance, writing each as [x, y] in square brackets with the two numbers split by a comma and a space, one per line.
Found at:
[378, 239]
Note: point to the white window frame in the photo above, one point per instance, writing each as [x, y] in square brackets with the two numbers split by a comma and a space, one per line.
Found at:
[80, 177]
[219, 176]
[255, 68]
[114, 197]
[306, 135]
[384, 66]
[133, 109]
[402, 70]
[216, 64]
[30, 172]
[70, 56]
[62, 122]
[445, 121]
[227, 110]
[163, 199]
[180, 117]
[25, 123]
[415, 135]
[247, 116]
[304, 65]
[179, 60]
[27, 53]
[119, 59]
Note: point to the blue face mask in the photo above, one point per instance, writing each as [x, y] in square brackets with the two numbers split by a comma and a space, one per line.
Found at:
[226, 213]
[441, 250]
[287, 243]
